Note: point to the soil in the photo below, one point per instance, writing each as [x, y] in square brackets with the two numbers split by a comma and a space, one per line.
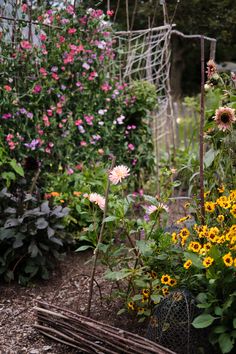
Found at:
[68, 288]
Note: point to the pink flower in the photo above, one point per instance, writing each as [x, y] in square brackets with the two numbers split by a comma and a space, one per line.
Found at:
[105, 87]
[83, 143]
[55, 76]
[78, 122]
[72, 30]
[224, 118]
[7, 88]
[43, 72]
[98, 200]
[24, 8]
[70, 10]
[110, 13]
[37, 89]
[69, 171]
[25, 45]
[160, 206]
[131, 147]
[118, 174]
[43, 37]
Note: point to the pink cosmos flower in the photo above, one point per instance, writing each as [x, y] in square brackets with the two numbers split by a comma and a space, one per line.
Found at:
[110, 13]
[98, 200]
[131, 147]
[37, 89]
[24, 8]
[118, 174]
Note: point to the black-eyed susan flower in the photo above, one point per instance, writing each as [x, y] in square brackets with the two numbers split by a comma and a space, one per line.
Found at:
[153, 274]
[165, 279]
[228, 260]
[220, 218]
[140, 310]
[184, 233]
[145, 293]
[207, 262]
[181, 220]
[165, 291]
[188, 264]
[172, 282]
[174, 237]
[194, 246]
[233, 210]
[131, 306]
[221, 189]
[209, 207]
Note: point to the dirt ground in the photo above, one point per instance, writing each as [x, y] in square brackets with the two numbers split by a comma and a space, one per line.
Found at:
[68, 288]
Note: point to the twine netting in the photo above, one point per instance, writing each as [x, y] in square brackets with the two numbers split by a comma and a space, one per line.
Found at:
[145, 55]
[171, 325]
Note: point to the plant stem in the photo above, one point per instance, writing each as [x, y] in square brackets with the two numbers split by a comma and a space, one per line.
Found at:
[201, 142]
[96, 251]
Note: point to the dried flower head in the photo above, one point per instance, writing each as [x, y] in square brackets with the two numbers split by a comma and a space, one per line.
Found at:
[224, 118]
[118, 173]
[211, 68]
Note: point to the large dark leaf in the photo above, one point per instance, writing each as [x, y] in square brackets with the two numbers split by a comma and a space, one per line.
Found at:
[10, 210]
[50, 231]
[6, 233]
[41, 223]
[11, 223]
[57, 241]
[45, 208]
[33, 249]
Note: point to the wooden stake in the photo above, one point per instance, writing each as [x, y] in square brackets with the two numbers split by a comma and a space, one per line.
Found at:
[201, 142]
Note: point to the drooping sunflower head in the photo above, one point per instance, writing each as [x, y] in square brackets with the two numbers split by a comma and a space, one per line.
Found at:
[224, 118]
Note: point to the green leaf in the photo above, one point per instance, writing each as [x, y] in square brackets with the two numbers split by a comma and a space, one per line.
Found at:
[121, 311]
[203, 321]
[83, 248]
[33, 249]
[234, 323]
[209, 157]
[195, 259]
[220, 329]
[110, 218]
[41, 223]
[156, 298]
[226, 343]
[17, 168]
[218, 311]
[137, 297]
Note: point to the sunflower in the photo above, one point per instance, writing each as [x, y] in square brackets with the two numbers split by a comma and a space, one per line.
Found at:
[188, 264]
[228, 259]
[165, 279]
[224, 118]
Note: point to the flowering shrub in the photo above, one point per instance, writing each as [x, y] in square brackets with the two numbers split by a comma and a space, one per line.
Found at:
[60, 105]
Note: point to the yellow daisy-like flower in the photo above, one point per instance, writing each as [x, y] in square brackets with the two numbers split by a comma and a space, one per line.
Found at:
[232, 195]
[131, 305]
[207, 262]
[209, 207]
[145, 293]
[184, 233]
[221, 200]
[174, 237]
[172, 282]
[206, 194]
[220, 218]
[233, 210]
[228, 260]
[226, 205]
[165, 279]
[140, 310]
[165, 291]
[188, 264]
[153, 274]
[186, 205]
[221, 189]
[194, 246]
[234, 262]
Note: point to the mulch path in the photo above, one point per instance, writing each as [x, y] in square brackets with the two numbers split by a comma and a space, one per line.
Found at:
[68, 288]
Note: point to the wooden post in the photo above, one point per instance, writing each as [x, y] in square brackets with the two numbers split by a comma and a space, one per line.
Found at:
[201, 145]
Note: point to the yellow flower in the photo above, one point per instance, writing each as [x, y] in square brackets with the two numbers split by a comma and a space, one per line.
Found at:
[220, 218]
[188, 264]
[184, 233]
[232, 195]
[234, 262]
[165, 279]
[206, 194]
[140, 310]
[172, 282]
[194, 246]
[183, 219]
[174, 238]
[226, 205]
[165, 291]
[145, 293]
[221, 189]
[153, 274]
[186, 205]
[209, 207]
[221, 200]
[228, 259]
[207, 262]
[131, 305]
[233, 210]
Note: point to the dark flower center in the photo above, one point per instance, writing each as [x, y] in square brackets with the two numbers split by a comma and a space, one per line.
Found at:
[225, 118]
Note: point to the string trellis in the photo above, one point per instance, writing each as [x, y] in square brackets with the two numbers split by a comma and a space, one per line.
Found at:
[145, 55]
